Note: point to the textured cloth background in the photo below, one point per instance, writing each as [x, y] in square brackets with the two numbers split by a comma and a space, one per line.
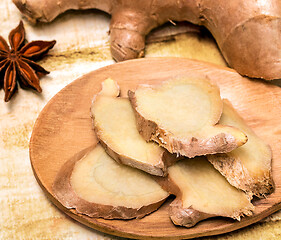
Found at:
[82, 46]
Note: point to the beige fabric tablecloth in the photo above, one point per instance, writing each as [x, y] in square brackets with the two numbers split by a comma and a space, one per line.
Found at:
[82, 46]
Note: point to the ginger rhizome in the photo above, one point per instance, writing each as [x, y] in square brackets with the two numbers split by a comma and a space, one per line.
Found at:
[247, 32]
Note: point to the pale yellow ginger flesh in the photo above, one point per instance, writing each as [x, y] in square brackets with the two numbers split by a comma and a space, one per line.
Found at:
[99, 179]
[206, 191]
[181, 115]
[249, 166]
[181, 106]
[115, 124]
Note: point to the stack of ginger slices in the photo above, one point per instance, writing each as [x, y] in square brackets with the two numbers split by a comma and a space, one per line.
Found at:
[176, 138]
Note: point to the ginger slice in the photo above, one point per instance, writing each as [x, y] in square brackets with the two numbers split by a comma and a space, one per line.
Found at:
[115, 125]
[95, 185]
[249, 166]
[202, 192]
[180, 115]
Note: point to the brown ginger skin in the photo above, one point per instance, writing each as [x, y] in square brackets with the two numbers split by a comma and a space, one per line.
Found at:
[187, 217]
[247, 32]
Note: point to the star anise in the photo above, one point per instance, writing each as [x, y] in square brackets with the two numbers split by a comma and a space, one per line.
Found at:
[17, 62]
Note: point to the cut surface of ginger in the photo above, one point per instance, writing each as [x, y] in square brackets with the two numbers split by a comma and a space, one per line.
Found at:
[181, 107]
[181, 115]
[98, 186]
[115, 125]
[249, 166]
[106, 182]
[203, 192]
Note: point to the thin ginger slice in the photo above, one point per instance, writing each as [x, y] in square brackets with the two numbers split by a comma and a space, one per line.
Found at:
[249, 166]
[202, 192]
[181, 115]
[95, 185]
[115, 126]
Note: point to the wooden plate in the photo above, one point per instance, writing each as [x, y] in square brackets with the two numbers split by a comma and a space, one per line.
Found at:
[64, 128]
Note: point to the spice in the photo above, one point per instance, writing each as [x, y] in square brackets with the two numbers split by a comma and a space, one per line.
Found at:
[17, 62]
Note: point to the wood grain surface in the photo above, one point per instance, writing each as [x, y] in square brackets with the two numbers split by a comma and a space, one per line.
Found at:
[64, 128]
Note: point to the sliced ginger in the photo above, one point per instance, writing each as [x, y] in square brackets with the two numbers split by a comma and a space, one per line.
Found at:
[202, 192]
[181, 116]
[95, 185]
[249, 166]
[115, 125]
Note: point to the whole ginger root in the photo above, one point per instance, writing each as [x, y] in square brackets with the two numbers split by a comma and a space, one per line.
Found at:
[247, 32]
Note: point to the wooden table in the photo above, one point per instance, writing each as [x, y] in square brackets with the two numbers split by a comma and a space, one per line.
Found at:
[82, 46]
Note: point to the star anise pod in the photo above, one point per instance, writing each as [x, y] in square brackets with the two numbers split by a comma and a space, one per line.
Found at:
[17, 62]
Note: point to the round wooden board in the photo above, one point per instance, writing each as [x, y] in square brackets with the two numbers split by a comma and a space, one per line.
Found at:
[64, 128]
